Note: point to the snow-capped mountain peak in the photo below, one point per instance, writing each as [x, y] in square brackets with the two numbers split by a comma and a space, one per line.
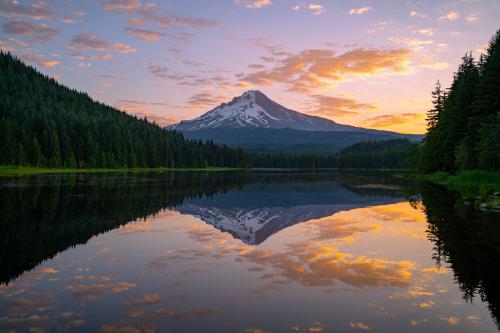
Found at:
[253, 109]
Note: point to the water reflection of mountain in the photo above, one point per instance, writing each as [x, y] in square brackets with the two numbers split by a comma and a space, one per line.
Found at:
[257, 211]
[468, 241]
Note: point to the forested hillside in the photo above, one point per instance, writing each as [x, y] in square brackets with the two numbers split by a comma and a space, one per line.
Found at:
[43, 123]
[464, 124]
[394, 154]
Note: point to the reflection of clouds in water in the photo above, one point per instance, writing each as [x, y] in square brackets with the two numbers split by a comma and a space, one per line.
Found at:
[400, 212]
[146, 299]
[315, 327]
[360, 326]
[30, 302]
[34, 312]
[148, 321]
[340, 228]
[452, 320]
[318, 265]
[87, 292]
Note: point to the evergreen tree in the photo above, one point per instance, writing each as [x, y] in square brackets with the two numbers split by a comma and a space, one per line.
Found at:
[464, 131]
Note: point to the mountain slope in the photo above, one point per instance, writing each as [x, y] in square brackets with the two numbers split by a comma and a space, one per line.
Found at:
[253, 109]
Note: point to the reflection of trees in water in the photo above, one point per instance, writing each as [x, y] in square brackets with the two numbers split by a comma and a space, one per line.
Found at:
[469, 241]
[41, 216]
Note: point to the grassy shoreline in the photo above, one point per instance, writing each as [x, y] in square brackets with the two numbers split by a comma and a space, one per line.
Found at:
[475, 184]
[18, 171]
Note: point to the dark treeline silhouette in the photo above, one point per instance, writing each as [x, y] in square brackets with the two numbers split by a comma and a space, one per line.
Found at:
[464, 124]
[395, 153]
[41, 216]
[43, 123]
[466, 239]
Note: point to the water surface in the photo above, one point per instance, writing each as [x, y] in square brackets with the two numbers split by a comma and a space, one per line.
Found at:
[244, 252]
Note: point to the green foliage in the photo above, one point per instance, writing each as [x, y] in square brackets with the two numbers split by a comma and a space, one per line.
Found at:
[463, 131]
[469, 183]
[43, 123]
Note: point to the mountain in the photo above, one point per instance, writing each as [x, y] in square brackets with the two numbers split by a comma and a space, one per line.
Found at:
[253, 109]
[254, 122]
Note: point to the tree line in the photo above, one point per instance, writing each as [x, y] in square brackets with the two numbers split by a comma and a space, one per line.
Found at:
[43, 123]
[464, 124]
[394, 154]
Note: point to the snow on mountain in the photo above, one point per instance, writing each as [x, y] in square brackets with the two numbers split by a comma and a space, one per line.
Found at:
[253, 109]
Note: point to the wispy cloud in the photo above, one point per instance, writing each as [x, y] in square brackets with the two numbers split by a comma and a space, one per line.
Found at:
[451, 16]
[473, 17]
[88, 42]
[316, 9]
[333, 106]
[147, 35]
[414, 13]
[253, 4]
[360, 10]
[38, 33]
[389, 120]
[426, 31]
[113, 5]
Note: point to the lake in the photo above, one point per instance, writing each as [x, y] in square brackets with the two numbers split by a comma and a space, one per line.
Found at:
[244, 252]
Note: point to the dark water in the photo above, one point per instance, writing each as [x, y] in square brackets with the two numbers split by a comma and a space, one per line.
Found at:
[235, 252]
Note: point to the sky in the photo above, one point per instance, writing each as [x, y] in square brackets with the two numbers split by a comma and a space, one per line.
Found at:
[369, 63]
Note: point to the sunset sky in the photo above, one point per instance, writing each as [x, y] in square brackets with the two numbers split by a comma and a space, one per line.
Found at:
[365, 63]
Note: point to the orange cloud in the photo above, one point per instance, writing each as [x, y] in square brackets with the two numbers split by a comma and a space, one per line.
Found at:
[318, 68]
[389, 120]
[331, 106]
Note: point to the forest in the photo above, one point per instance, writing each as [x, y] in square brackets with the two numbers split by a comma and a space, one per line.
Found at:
[393, 154]
[46, 124]
[464, 124]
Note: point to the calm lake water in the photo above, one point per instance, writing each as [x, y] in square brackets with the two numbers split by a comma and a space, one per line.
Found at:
[235, 252]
